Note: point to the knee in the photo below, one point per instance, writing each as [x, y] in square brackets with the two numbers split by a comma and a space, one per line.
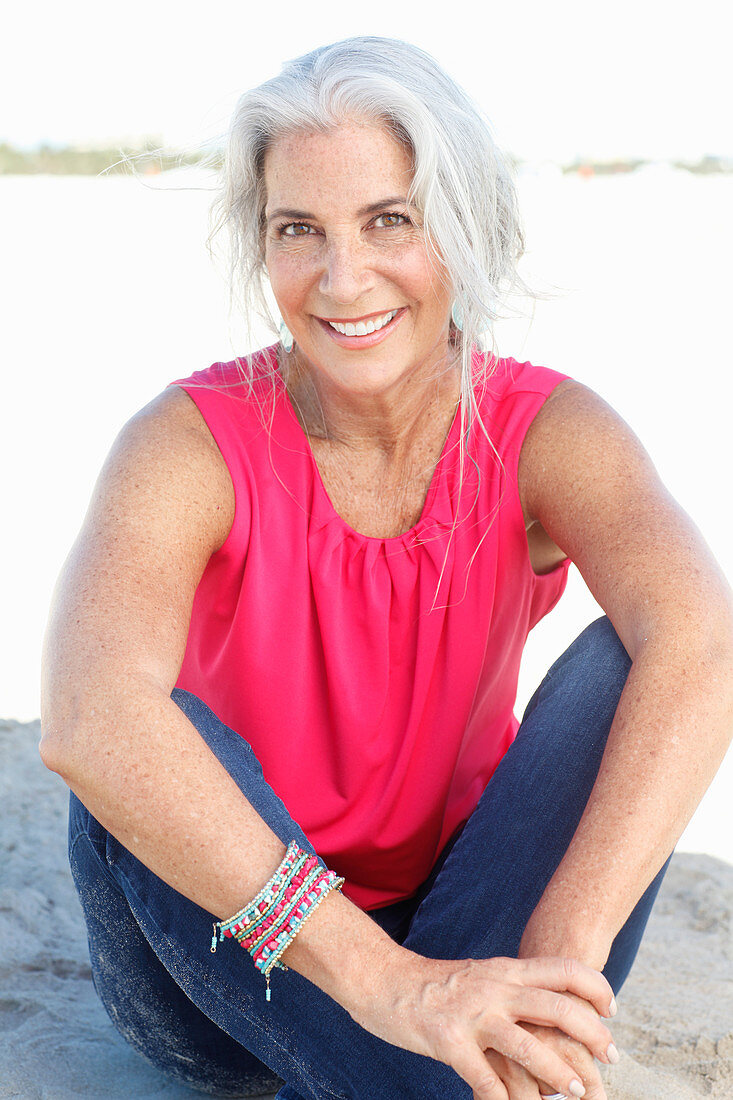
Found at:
[209, 725]
[600, 649]
[589, 676]
[601, 660]
[594, 670]
[233, 751]
[194, 708]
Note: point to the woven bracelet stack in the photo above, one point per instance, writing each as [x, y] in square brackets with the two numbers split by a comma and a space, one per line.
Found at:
[270, 922]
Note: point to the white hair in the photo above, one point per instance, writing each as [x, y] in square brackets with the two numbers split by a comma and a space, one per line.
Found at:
[462, 184]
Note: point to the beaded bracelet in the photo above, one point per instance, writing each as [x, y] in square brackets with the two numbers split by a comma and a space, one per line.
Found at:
[268, 924]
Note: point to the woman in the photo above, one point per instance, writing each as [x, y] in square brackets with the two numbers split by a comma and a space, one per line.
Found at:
[292, 624]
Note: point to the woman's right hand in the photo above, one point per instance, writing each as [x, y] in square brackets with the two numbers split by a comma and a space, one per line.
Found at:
[454, 1011]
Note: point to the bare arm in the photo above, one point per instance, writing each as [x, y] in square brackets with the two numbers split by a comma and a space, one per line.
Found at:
[114, 647]
[587, 480]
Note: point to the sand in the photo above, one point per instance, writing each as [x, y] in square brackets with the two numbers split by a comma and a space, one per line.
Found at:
[674, 1028]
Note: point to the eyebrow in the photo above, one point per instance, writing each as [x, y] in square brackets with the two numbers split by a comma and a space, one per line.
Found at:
[301, 215]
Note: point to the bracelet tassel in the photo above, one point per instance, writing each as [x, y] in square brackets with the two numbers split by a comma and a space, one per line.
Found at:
[270, 922]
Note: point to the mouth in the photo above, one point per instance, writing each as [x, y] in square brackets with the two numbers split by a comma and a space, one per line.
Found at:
[364, 331]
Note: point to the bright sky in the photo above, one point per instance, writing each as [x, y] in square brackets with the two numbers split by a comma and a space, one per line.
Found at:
[559, 78]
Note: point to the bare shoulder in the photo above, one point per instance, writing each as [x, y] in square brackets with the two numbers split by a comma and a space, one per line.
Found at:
[167, 448]
[587, 482]
[575, 436]
[174, 404]
[162, 505]
[174, 414]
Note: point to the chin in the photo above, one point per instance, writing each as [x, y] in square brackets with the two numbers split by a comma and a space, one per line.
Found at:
[364, 381]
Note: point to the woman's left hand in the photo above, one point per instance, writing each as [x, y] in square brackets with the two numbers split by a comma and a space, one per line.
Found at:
[521, 1085]
[541, 936]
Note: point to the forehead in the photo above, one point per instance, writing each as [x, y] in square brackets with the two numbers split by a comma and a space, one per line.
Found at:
[355, 163]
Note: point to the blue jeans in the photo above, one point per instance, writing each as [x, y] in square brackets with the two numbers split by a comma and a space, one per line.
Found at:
[203, 1018]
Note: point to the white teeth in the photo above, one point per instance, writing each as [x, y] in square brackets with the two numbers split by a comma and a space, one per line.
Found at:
[362, 328]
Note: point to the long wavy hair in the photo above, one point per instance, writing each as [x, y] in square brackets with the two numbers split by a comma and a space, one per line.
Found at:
[462, 184]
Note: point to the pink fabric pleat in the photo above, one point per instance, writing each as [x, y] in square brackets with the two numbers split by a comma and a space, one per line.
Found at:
[374, 678]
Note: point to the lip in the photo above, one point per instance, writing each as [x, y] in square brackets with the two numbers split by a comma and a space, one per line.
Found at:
[354, 320]
[371, 338]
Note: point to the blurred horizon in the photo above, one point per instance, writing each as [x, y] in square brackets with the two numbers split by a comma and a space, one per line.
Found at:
[151, 159]
[561, 82]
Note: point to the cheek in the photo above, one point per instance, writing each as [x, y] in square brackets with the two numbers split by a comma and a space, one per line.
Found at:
[412, 270]
[290, 275]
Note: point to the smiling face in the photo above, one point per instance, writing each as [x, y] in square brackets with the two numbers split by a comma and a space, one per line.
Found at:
[348, 264]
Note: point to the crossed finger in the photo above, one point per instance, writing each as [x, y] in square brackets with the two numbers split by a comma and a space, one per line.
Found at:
[520, 1084]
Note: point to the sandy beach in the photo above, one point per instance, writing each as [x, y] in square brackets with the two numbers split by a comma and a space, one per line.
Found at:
[674, 1027]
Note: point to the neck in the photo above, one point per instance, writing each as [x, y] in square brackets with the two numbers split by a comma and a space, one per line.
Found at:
[387, 420]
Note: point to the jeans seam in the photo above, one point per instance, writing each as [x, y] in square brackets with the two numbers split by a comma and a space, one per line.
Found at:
[103, 865]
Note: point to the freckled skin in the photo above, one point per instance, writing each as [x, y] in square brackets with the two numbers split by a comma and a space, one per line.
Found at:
[377, 416]
[348, 266]
[164, 504]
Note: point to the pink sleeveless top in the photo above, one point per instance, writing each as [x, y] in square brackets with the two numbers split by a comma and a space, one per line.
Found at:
[374, 678]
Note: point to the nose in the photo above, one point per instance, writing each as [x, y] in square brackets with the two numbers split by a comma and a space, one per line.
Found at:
[346, 274]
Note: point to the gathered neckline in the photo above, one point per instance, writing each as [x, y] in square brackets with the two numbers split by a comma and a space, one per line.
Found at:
[328, 505]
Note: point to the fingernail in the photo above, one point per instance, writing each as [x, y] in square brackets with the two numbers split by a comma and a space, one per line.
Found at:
[613, 1008]
[576, 1087]
[612, 1054]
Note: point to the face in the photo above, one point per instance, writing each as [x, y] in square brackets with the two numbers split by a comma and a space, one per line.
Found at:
[347, 261]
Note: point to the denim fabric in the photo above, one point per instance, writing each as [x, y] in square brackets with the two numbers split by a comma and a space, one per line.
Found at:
[203, 1019]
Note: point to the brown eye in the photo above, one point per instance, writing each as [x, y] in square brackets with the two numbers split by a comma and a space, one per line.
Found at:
[295, 229]
[391, 221]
